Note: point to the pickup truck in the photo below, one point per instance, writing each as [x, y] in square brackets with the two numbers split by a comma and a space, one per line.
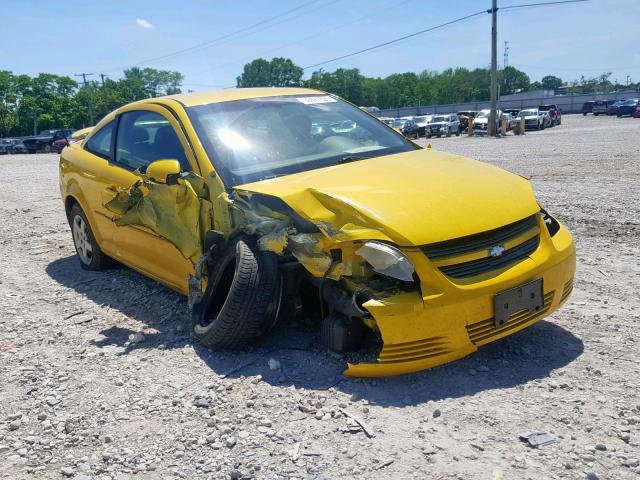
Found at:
[43, 141]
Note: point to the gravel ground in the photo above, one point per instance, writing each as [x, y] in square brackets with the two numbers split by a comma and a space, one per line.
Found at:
[99, 377]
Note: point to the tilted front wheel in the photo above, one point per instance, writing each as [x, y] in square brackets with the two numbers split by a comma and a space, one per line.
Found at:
[242, 297]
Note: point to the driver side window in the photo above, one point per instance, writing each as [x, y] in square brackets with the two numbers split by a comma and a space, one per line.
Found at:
[144, 137]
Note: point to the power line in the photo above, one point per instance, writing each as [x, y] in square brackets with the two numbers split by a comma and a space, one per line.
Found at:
[396, 40]
[451, 22]
[215, 40]
[540, 4]
[394, 5]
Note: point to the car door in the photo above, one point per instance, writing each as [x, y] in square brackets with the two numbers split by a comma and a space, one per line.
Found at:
[144, 135]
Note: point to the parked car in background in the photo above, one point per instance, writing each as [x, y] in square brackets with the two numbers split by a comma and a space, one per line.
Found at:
[18, 147]
[554, 113]
[443, 125]
[76, 136]
[422, 121]
[44, 141]
[464, 116]
[627, 107]
[587, 107]
[5, 145]
[534, 119]
[410, 129]
[514, 112]
[481, 121]
[11, 146]
[600, 107]
[612, 109]
[387, 121]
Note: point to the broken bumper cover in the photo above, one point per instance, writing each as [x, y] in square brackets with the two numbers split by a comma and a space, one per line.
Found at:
[452, 320]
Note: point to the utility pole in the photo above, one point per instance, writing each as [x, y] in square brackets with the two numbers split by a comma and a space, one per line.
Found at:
[628, 77]
[86, 86]
[491, 125]
[102, 75]
[506, 55]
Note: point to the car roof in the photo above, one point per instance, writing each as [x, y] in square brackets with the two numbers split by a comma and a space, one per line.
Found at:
[229, 94]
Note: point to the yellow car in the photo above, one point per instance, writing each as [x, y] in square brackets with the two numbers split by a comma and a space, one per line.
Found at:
[260, 204]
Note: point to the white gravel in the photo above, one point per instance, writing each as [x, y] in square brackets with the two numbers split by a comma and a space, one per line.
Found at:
[79, 400]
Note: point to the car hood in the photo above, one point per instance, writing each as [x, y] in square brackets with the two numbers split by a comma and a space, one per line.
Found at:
[411, 198]
[438, 124]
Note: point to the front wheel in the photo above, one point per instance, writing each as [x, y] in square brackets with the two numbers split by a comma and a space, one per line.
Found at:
[242, 298]
[87, 249]
[46, 148]
[449, 132]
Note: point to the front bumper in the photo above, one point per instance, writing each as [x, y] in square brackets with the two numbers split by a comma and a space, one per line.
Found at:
[453, 317]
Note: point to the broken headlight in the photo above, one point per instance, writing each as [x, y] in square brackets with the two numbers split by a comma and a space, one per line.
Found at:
[552, 224]
[387, 260]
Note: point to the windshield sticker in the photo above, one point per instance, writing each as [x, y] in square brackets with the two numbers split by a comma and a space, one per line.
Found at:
[316, 99]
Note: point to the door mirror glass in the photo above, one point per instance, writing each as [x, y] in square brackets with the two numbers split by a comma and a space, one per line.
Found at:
[164, 171]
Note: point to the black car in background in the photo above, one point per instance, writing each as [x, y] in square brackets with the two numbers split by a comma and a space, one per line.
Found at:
[43, 142]
[612, 109]
[600, 106]
[627, 107]
[410, 129]
[587, 107]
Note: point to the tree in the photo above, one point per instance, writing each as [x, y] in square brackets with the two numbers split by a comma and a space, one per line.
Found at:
[551, 82]
[512, 80]
[279, 72]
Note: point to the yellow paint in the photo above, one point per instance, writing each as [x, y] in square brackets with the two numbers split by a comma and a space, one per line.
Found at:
[159, 170]
[409, 199]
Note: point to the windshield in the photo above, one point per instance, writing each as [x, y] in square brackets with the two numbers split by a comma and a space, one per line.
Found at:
[528, 112]
[629, 103]
[438, 119]
[255, 139]
[483, 114]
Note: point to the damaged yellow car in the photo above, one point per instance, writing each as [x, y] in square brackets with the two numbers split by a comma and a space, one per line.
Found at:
[260, 204]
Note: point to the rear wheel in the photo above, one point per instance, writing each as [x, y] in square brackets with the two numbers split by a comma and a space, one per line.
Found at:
[449, 132]
[242, 297]
[46, 148]
[89, 253]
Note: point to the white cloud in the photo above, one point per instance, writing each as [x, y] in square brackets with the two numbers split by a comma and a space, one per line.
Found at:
[144, 23]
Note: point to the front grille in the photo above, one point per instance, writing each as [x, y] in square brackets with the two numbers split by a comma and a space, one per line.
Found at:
[445, 254]
[485, 331]
[476, 267]
[478, 241]
[412, 351]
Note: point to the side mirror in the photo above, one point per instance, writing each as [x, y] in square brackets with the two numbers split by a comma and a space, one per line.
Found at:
[164, 171]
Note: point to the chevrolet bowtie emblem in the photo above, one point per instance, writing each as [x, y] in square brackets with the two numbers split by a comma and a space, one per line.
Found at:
[496, 251]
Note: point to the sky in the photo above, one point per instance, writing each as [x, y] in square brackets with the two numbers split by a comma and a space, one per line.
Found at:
[68, 37]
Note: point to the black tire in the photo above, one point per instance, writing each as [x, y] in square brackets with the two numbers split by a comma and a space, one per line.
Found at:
[449, 132]
[96, 258]
[242, 298]
[46, 148]
[596, 114]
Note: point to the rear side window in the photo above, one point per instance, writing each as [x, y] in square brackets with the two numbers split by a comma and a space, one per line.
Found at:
[100, 143]
[144, 137]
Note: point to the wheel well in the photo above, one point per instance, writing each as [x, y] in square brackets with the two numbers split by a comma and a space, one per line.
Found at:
[68, 204]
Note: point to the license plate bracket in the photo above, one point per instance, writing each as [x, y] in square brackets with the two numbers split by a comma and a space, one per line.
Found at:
[527, 296]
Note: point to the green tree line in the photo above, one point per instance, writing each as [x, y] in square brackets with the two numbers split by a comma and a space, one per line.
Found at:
[46, 101]
[453, 85]
[31, 104]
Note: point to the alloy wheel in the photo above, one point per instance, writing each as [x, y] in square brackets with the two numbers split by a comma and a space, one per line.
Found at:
[81, 240]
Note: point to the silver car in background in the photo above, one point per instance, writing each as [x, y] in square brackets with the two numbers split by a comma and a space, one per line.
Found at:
[443, 125]
[535, 119]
